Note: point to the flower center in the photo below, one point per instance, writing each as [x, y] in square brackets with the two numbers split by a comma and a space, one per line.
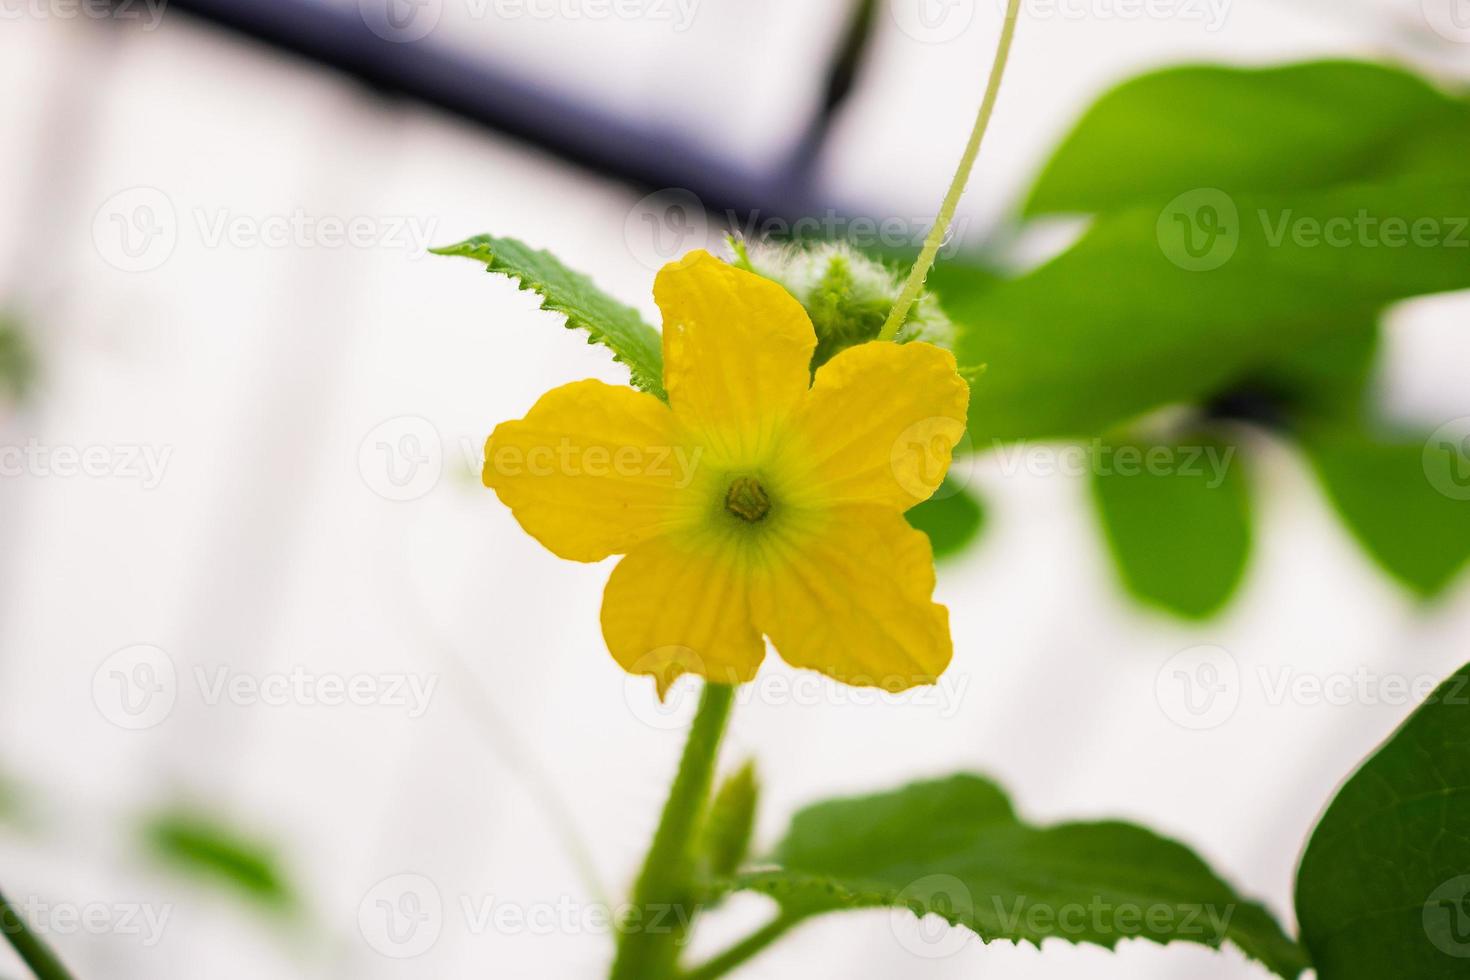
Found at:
[747, 499]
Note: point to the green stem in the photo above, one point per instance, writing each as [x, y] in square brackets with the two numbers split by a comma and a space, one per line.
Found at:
[664, 897]
[925, 262]
[743, 950]
[33, 952]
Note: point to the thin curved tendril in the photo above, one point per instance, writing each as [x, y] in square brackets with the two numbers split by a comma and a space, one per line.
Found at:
[935, 238]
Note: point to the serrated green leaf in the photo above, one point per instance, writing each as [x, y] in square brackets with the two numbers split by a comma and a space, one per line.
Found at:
[1113, 327]
[1176, 517]
[1251, 130]
[952, 518]
[955, 848]
[1384, 885]
[202, 846]
[725, 839]
[1383, 493]
[608, 322]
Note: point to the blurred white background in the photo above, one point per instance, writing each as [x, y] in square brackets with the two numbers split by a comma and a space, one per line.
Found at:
[314, 411]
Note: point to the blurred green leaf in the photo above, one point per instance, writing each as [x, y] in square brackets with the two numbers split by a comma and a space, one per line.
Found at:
[963, 281]
[1383, 889]
[1176, 517]
[1251, 130]
[202, 846]
[616, 326]
[955, 848]
[952, 518]
[17, 360]
[1325, 379]
[1383, 492]
[1125, 321]
[11, 804]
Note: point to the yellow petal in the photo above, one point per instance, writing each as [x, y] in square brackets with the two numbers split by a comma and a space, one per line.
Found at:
[678, 606]
[593, 469]
[854, 601]
[879, 426]
[737, 353]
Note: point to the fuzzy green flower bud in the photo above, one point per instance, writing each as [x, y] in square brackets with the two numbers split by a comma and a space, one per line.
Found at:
[847, 294]
[730, 824]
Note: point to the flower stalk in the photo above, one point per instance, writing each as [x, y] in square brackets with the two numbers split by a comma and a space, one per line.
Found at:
[665, 897]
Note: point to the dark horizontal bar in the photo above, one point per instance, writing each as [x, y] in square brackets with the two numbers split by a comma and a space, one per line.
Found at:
[338, 36]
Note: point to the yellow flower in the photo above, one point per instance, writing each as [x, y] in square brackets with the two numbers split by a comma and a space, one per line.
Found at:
[757, 500]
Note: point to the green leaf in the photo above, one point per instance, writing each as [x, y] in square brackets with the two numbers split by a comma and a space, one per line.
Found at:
[1120, 324]
[725, 839]
[955, 848]
[1251, 130]
[1384, 493]
[17, 361]
[1384, 885]
[1326, 379]
[608, 322]
[12, 801]
[1177, 521]
[952, 518]
[204, 847]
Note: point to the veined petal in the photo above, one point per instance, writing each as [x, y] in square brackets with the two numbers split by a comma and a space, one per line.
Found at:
[593, 469]
[737, 353]
[879, 426]
[854, 601]
[673, 607]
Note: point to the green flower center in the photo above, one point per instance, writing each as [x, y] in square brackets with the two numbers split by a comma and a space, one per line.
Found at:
[747, 499]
